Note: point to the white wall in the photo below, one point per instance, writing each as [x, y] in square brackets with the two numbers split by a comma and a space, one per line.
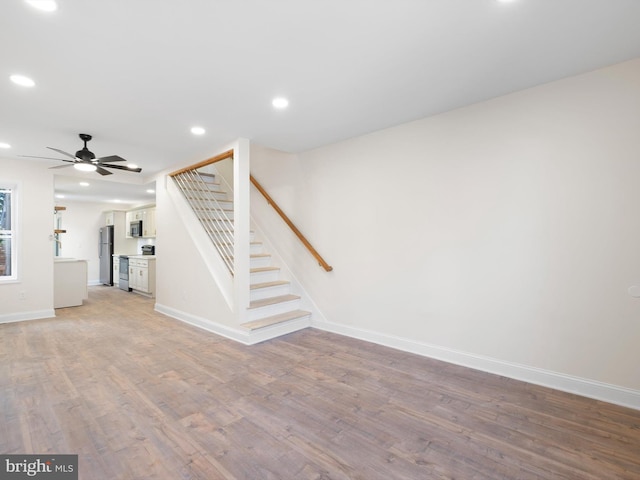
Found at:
[185, 288]
[35, 255]
[506, 230]
[82, 220]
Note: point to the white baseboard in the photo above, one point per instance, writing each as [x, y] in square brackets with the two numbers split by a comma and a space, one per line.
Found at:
[23, 316]
[625, 397]
[241, 335]
[208, 325]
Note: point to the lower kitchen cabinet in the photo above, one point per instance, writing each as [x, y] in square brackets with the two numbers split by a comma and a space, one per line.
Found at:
[142, 275]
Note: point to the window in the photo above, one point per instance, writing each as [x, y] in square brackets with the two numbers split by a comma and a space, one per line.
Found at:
[7, 233]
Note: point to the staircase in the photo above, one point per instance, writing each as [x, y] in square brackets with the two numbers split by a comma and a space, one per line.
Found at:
[273, 309]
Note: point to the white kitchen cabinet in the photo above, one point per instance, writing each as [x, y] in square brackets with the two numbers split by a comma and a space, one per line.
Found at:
[142, 275]
[149, 223]
[148, 217]
[109, 218]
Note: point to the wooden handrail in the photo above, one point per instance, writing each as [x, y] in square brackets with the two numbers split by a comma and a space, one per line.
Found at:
[284, 217]
[204, 163]
[229, 154]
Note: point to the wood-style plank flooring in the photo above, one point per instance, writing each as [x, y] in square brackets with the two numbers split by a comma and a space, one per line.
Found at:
[138, 395]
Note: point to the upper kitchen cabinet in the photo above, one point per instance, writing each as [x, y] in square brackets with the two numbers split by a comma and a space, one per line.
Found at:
[110, 218]
[149, 223]
[148, 217]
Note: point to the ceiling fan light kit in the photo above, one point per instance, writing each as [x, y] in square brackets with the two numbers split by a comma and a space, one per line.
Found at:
[86, 161]
[85, 167]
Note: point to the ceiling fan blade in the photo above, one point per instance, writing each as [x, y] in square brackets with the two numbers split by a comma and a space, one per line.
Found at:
[102, 171]
[62, 152]
[47, 158]
[110, 158]
[121, 167]
[61, 166]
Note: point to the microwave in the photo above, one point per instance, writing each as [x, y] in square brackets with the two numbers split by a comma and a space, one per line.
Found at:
[135, 228]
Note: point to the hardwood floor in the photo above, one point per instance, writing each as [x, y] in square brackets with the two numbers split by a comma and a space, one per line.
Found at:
[141, 396]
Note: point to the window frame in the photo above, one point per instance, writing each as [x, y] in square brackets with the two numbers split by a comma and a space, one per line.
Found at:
[12, 232]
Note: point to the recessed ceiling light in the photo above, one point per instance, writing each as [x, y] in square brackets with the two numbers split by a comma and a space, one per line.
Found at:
[22, 80]
[59, 195]
[280, 103]
[132, 165]
[44, 5]
[151, 190]
[4, 145]
[198, 130]
[84, 184]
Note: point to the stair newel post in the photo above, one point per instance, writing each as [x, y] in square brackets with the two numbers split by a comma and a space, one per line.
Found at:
[241, 244]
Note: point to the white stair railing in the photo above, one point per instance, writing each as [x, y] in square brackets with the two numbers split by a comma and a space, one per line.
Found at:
[201, 196]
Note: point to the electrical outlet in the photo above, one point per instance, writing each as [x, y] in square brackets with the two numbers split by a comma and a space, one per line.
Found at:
[22, 295]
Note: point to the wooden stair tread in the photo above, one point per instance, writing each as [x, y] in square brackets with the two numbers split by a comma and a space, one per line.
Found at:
[277, 283]
[273, 300]
[275, 319]
[263, 269]
[260, 255]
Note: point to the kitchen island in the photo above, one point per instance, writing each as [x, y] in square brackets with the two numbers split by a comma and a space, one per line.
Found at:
[69, 282]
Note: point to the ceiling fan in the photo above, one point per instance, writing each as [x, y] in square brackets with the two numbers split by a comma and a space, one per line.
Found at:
[85, 160]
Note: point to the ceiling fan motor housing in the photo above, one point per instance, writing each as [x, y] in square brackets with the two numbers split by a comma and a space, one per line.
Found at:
[85, 154]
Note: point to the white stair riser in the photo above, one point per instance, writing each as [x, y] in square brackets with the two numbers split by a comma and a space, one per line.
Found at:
[268, 310]
[268, 276]
[200, 195]
[256, 262]
[278, 330]
[188, 184]
[268, 292]
[205, 203]
[255, 248]
[202, 189]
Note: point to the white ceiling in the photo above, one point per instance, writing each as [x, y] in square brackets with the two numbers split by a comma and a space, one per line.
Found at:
[137, 74]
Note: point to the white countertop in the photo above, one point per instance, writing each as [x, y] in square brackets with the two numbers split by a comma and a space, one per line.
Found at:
[67, 259]
[143, 257]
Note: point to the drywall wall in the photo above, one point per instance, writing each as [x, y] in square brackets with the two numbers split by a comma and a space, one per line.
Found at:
[31, 296]
[506, 230]
[185, 287]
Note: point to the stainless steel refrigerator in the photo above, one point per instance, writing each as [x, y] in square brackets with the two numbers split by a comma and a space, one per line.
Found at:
[105, 254]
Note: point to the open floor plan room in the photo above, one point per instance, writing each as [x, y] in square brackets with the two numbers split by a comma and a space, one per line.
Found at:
[138, 395]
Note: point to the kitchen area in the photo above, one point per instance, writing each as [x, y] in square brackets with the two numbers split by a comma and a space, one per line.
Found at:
[98, 246]
[130, 265]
